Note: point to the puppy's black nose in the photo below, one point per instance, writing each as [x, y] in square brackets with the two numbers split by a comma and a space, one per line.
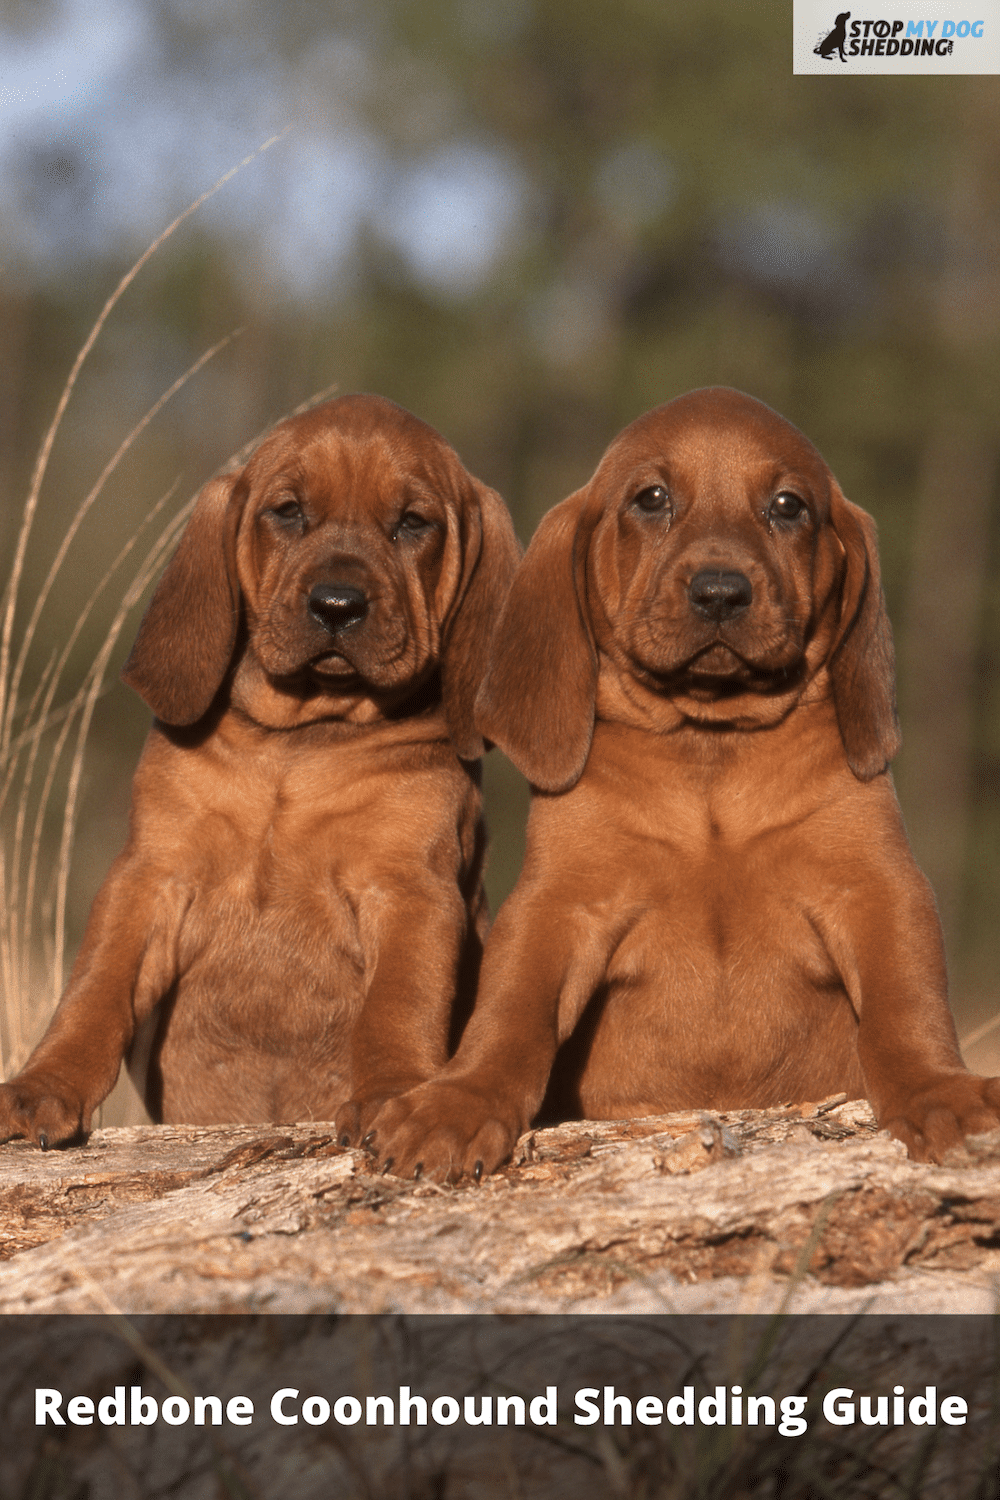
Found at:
[720, 595]
[337, 605]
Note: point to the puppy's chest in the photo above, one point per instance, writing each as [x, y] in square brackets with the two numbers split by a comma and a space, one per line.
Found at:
[720, 987]
[277, 903]
[291, 883]
[722, 905]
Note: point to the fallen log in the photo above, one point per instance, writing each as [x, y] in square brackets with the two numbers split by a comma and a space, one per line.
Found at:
[804, 1207]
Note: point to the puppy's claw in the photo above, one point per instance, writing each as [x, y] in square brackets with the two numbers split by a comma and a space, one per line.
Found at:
[43, 1140]
[345, 1139]
[418, 1171]
[477, 1171]
[387, 1164]
[367, 1140]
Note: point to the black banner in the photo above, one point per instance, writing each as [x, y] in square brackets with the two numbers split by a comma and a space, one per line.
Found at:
[414, 1407]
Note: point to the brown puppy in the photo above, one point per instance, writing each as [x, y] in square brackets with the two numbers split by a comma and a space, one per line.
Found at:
[301, 884]
[718, 907]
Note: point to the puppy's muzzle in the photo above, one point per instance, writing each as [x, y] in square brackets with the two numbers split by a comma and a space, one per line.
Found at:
[337, 606]
[719, 595]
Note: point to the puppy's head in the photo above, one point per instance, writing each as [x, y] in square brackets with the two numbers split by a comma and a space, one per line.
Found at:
[351, 560]
[711, 568]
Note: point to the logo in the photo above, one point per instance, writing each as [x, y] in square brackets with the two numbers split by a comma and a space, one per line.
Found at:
[894, 38]
[882, 38]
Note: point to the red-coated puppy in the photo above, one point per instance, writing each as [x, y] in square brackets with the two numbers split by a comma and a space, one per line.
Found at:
[718, 908]
[301, 888]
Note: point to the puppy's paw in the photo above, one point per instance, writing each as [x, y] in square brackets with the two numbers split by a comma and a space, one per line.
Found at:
[937, 1117]
[42, 1108]
[443, 1131]
[354, 1119]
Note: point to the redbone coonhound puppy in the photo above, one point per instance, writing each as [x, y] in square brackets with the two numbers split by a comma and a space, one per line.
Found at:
[718, 907]
[301, 884]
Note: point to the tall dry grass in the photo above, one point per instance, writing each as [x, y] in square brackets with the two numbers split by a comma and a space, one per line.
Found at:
[44, 732]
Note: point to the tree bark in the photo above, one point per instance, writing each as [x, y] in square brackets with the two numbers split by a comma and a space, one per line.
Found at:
[803, 1207]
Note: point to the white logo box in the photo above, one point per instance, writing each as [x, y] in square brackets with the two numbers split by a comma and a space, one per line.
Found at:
[920, 38]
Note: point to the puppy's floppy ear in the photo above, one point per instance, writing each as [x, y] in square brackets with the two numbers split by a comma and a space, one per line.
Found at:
[186, 639]
[491, 555]
[537, 699]
[862, 663]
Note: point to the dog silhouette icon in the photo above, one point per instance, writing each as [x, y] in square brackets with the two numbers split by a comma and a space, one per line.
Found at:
[834, 41]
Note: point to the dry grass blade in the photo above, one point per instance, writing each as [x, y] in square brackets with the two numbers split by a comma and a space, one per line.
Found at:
[29, 735]
[91, 497]
[93, 690]
[979, 1032]
[7, 702]
[39, 728]
[74, 526]
[12, 910]
[86, 699]
[18, 943]
[6, 972]
[240, 457]
[66, 716]
[16, 940]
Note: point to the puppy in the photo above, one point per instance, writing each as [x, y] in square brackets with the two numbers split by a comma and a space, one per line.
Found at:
[301, 888]
[718, 908]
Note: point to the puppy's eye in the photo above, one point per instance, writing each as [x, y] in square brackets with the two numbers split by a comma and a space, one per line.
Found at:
[653, 501]
[786, 507]
[288, 512]
[412, 523]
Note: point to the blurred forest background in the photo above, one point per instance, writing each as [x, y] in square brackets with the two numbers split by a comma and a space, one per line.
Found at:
[528, 222]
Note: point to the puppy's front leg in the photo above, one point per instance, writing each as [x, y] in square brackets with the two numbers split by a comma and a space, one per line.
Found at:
[541, 965]
[395, 1044]
[914, 1076]
[125, 964]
